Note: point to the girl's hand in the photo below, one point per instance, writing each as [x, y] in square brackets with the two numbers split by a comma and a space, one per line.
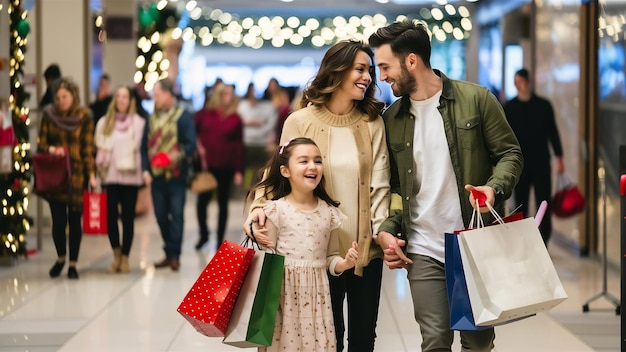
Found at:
[350, 260]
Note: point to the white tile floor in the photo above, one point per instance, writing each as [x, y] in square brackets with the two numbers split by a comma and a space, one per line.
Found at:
[137, 311]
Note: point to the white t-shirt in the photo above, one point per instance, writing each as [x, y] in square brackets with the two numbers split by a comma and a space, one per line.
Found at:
[264, 113]
[435, 207]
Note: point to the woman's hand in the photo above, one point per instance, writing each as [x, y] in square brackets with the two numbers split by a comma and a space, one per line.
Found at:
[93, 182]
[394, 256]
[260, 234]
[147, 178]
[56, 150]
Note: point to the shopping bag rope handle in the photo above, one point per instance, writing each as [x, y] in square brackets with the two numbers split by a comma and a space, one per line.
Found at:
[477, 219]
[254, 240]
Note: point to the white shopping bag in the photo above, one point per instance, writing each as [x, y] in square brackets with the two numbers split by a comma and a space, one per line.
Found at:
[509, 272]
[238, 324]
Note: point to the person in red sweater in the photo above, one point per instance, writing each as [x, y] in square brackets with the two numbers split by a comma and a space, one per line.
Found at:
[280, 99]
[219, 132]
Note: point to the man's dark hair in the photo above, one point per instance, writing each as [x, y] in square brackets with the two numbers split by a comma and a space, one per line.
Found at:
[404, 37]
[523, 73]
[167, 85]
[52, 72]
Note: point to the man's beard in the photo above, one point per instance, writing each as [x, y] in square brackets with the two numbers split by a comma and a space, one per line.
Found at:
[405, 85]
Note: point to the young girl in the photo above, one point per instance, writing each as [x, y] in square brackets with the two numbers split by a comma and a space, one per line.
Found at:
[301, 219]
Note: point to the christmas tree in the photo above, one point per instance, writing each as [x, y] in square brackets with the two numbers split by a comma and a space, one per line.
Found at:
[154, 21]
[14, 185]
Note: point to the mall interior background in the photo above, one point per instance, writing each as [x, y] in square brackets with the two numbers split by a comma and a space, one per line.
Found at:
[575, 50]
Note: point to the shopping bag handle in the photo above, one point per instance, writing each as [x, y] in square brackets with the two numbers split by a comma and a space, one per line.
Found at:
[477, 219]
[247, 240]
[562, 182]
[541, 212]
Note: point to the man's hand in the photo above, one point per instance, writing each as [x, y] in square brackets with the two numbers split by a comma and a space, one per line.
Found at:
[490, 196]
[392, 248]
[560, 167]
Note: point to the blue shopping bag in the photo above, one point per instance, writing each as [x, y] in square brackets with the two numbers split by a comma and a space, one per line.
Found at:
[461, 317]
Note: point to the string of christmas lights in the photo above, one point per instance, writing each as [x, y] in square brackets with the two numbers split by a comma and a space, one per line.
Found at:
[14, 186]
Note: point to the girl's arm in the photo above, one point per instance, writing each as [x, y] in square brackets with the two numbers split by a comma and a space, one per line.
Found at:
[349, 261]
[336, 264]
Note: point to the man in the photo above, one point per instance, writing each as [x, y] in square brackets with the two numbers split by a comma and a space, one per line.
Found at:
[532, 119]
[103, 98]
[445, 138]
[52, 74]
[169, 139]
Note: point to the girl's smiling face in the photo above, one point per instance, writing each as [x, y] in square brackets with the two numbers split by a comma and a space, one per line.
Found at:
[304, 169]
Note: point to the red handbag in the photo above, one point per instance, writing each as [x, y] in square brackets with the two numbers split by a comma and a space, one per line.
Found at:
[52, 173]
[209, 303]
[94, 213]
[7, 142]
[568, 200]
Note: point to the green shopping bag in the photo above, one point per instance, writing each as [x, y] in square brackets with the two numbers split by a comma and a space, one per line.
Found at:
[265, 307]
[252, 321]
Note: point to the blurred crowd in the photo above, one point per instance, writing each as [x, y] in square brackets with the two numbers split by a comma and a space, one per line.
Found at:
[114, 144]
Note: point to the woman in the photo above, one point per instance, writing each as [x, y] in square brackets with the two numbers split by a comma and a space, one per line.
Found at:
[219, 132]
[339, 112]
[67, 127]
[118, 158]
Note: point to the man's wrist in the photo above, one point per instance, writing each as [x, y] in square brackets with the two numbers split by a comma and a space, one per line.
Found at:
[377, 237]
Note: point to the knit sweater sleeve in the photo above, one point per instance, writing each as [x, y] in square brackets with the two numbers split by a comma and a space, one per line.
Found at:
[379, 188]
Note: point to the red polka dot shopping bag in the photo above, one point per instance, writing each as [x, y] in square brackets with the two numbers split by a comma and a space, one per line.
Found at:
[210, 301]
